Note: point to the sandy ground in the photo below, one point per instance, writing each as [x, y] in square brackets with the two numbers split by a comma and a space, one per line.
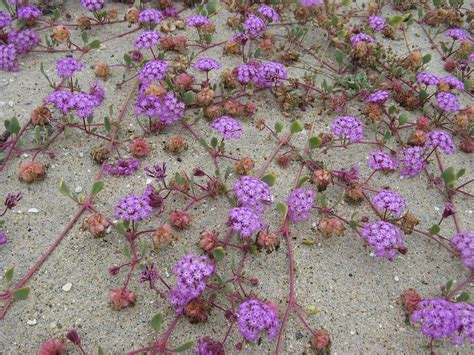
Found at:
[357, 295]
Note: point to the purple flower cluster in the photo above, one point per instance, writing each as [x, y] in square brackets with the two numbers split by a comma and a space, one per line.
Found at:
[93, 5]
[153, 70]
[379, 97]
[246, 73]
[256, 317]
[440, 139]
[133, 208]
[149, 273]
[453, 82]
[207, 64]
[157, 172]
[456, 34]
[192, 272]
[254, 26]
[377, 23]
[3, 239]
[384, 237]
[269, 13]
[8, 56]
[197, 21]
[299, 201]
[387, 200]
[123, 167]
[167, 109]
[448, 102]
[427, 78]
[271, 74]
[464, 243]
[245, 221]
[66, 67]
[208, 346]
[382, 161]
[309, 3]
[5, 20]
[28, 13]
[361, 38]
[252, 193]
[228, 127]
[83, 104]
[413, 161]
[348, 127]
[23, 41]
[147, 40]
[150, 16]
[440, 318]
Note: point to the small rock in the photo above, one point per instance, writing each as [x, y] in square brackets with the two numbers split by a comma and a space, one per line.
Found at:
[53, 325]
[31, 322]
[81, 154]
[67, 287]
[11, 103]
[78, 190]
[396, 278]
[33, 210]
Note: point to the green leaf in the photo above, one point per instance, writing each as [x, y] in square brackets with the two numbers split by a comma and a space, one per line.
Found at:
[449, 176]
[214, 142]
[100, 351]
[229, 288]
[339, 56]
[448, 287]
[189, 97]
[296, 127]
[278, 127]
[97, 187]
[186, 346]
[63, 188]
[315, 142]
[269, 179]
[462, 297]
[302, 181]
[13, 125]
[21, 294]
[156, 322]
[127, 59]
[392, 109]
[9, 274]
[394, 21]
[94, 44]
[126, 251]
[107, 124]
[426, 58]
[2, 156]
[218, 253]
[85, 37]
[283, 208]
[324, 201]
[461, 173]
[434, 229]
[120, 228]
[403, 118]
[422, 94]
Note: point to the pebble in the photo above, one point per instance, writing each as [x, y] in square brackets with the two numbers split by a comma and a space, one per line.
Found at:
[353, 332]
[78, 189]
[53, 325]
[31, 322]
[67, 287]
[81, 154]
[33, 210]
[396, 278]
[11, 103]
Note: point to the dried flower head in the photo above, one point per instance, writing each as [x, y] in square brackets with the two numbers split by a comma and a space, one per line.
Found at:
[96, 224]
[163, 236]
[31, 171]
[330, 227]
[122, 298]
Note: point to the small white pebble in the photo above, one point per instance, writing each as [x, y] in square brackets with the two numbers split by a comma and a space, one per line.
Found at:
[353, 332]
[78, 189]
[11, 103]
[149, 181]
[436, 208]
[372, 254]
[31, 321]
[396, 278]
[25, 155]
[53, 325]
[81, 154]
[33, 210]
[67, 287]
[19, 212]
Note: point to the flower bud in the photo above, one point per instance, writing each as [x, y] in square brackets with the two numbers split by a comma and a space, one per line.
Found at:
[120, 298]
[410, 299]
